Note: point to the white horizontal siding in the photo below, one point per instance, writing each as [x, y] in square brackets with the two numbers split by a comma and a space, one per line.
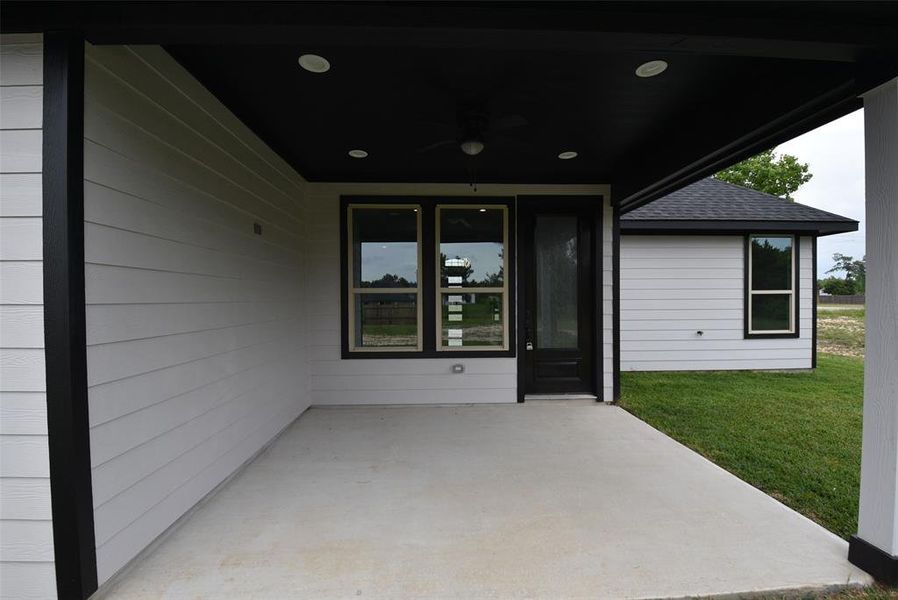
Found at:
[196, 337]
[408, 381]
[674, 286]
[26, 526]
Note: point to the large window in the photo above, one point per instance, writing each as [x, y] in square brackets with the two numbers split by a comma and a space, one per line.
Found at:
[426, 278]
[384, 282]
[771, 290]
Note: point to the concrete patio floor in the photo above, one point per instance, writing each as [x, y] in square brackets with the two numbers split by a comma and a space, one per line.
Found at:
[517, 501]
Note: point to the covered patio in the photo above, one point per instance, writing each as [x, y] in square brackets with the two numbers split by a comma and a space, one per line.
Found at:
[231, 220]
[518, 501]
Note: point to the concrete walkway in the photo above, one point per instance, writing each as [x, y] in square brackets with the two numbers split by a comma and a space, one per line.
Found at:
[518, 501]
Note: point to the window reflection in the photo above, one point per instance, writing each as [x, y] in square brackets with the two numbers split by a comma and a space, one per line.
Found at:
[771, 263]
[385, 248]
[472, 247]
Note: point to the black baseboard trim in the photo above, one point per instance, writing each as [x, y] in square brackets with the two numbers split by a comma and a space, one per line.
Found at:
[878, 563]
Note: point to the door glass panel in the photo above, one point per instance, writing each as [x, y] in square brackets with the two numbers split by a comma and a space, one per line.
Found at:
[555, 241]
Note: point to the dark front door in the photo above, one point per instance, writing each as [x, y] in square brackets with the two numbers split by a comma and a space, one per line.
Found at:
[558, 306]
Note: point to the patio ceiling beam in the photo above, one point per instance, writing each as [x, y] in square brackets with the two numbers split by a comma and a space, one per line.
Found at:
[834, 33]
[651, 176]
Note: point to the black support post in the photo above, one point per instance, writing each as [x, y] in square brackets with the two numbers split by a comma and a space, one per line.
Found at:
[64, 315]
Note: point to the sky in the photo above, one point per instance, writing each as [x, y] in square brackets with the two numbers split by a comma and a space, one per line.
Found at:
[835, 156]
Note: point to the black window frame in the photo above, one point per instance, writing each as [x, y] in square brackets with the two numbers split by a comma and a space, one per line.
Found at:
[796, 286]
[428, 275]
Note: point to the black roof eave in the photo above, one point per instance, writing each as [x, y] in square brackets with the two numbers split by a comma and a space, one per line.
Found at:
[709, 227]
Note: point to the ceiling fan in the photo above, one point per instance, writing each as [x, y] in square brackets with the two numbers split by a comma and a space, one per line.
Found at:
[475, 126]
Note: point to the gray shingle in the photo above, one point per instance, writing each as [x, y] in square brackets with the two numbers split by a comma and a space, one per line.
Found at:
[715, 200]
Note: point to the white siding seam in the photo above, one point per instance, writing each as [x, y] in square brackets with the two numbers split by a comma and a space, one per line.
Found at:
[186, 362]
[195, 161]
[181, 243]
[212, 143]
[206, 467]
[240, 232]
[292, 181]
[151, 547]
[183, 183]
[210, 409]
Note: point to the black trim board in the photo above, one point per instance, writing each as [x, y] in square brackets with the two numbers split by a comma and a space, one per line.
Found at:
[878, 563]
[428, 277]
[827, 107]
[64, 316]
[714, 227]
[796, 288]
[615, 301]
[815, 294]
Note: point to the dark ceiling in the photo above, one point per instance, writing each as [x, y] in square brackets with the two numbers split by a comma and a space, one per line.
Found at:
[743, 76]
[394, 101]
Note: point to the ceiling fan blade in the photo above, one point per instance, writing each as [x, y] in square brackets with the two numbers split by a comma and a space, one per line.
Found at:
[508, 122]
[436, 145]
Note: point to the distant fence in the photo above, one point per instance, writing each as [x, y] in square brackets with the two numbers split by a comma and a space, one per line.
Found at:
[842, 300]
[398, 313]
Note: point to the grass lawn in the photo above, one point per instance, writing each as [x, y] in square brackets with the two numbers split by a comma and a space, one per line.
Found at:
[874, 592]
[797, 436]
[841, 331]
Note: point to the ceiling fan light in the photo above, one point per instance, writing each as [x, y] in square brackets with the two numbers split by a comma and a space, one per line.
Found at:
[472, 147]
[314, 63]
[651, 68]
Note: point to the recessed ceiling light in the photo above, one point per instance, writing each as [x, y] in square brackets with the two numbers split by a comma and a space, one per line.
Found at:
[482, 210]
[567, 155]
[651, 68]
[314, 63]
[358, 153]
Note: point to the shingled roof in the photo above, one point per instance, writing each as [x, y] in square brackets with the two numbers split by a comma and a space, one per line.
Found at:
[712, 204]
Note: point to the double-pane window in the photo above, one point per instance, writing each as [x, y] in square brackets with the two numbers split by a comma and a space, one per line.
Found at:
[771, 284]
[465, 305]
[472, 287]
[384, 281]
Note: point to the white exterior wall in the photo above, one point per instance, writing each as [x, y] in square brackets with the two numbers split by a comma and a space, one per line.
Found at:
[413, 380]
[26, 527]
[195, 330]
[674, 286]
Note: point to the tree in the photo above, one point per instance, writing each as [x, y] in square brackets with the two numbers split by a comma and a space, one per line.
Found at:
[766, 172]
[837, 286]
[389, 280]
[855, 270]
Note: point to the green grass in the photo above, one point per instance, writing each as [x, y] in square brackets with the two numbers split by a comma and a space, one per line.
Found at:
[873, 592]
[797, 436]
[843, 311]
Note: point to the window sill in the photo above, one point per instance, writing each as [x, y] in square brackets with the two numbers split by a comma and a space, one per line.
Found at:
[761, 336]
[448, 355]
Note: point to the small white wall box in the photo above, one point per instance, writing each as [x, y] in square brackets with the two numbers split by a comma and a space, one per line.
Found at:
[458, 368]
